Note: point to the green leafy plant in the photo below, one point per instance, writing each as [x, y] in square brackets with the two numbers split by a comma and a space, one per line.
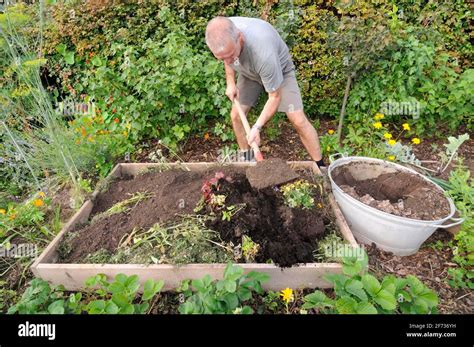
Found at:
[330, 144]
[116, 297]
[272, 301]
[119, 296]
[461, 189]
[40, 297]
[358, 292]
[67, 55]
[299, 194]
[228, 295]
[223, 131]
[7, 296]
[25, 219]
[250, 249]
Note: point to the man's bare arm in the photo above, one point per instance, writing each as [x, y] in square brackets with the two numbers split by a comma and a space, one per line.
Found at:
[229, 74]
[231, 90]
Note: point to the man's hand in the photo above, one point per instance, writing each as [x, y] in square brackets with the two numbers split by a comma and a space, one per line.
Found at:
[254, 136]
[232, 92]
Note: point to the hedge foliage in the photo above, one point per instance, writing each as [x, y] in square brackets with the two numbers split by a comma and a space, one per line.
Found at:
[146, 63]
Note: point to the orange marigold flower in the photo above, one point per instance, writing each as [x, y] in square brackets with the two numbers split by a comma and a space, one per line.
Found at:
[38, 202]
[206, 136]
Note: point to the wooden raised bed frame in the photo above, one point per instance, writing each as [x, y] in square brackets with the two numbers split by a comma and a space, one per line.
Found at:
[73, 276]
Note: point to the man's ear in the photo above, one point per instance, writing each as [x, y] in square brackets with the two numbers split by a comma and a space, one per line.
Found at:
[241, 38]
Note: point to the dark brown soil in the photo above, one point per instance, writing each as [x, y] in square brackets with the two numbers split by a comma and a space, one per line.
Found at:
[175, 193]
[270, 172]
[286, 236]
[402, 194]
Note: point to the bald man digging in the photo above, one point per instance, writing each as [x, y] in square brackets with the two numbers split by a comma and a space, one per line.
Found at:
[254, 49]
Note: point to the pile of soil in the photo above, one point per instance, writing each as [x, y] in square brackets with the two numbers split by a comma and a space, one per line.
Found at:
[270, 172]
[401, 194]
[286, 236]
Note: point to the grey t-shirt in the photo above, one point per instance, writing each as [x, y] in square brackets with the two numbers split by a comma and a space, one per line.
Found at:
[265, 57]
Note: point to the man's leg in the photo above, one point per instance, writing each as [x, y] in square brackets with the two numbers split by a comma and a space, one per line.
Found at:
[307, 133]
[292, 104]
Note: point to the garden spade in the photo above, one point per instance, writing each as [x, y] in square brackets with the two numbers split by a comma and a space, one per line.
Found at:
[266, 173]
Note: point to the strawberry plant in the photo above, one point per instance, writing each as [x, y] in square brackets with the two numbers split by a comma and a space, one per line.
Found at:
[358, 292]
[229, 295]
[118, 297]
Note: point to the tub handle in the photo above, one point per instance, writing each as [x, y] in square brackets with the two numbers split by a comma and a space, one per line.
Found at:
[335, 155]
[457, 221]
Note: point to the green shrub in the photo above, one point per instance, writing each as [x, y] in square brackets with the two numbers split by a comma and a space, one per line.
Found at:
[416, 73]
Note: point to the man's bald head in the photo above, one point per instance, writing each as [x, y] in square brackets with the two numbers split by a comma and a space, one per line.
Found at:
[220, 33]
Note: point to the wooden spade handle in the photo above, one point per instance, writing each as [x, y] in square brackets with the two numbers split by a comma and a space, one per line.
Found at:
[243, 119]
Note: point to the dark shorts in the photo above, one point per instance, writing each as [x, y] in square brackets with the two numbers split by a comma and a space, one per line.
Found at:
[250, 90]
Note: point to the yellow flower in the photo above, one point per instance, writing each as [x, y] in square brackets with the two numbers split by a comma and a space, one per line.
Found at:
[392, 142]
[3, 211]
[391, 157]
[387, 136]
[287, 295]
[406, 126]
[125, 133]
[328, 148]
[330, 131]
[13, 216]
[38, 202]
[416, 140]
[377, 125]
[379, 116]
[42, 195]
[319, 205]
